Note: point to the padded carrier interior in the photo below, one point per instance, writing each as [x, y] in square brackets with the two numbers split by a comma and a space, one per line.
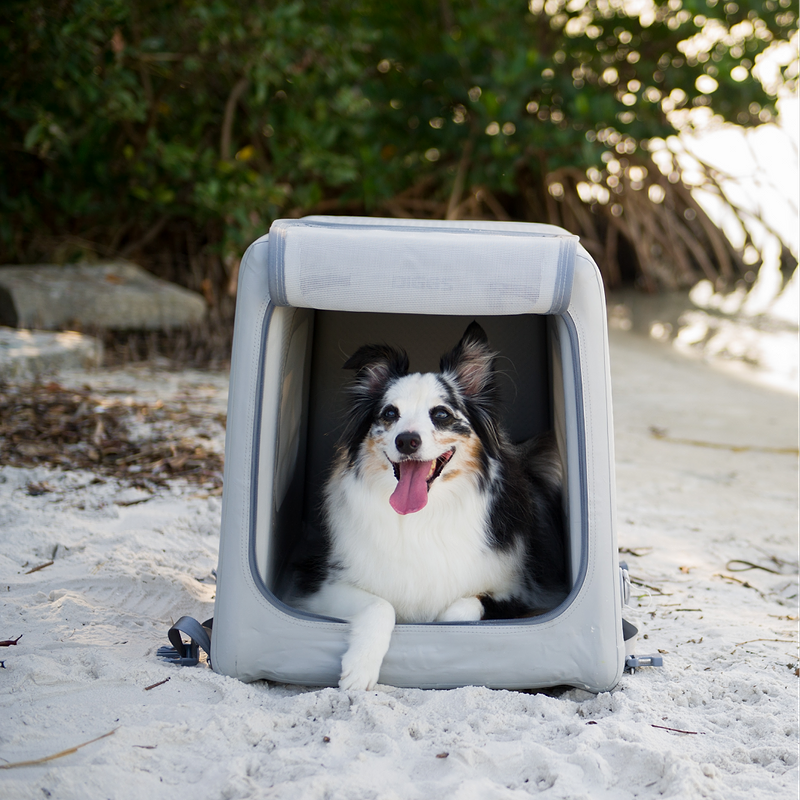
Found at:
[315, 398]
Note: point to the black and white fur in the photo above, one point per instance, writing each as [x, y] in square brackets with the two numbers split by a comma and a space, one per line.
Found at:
[431, 513]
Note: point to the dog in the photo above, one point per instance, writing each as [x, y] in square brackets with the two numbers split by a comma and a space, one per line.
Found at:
[430, 512]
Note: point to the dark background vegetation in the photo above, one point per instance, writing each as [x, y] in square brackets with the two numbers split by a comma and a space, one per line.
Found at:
[172, 132]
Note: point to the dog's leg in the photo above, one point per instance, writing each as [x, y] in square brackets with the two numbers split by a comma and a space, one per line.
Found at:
[370, 633]
[465, 609]
[371, 621]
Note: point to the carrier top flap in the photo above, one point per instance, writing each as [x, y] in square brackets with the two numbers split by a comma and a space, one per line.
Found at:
[420, 266]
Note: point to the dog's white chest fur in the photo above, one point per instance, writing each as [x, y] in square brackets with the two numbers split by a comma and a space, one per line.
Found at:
[423, 562]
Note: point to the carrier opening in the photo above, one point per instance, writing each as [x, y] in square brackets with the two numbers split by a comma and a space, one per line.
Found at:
[304, 404]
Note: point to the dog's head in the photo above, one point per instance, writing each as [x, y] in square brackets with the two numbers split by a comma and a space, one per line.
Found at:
[415, 429]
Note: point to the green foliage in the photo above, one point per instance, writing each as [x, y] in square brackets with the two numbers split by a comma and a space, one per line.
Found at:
[552, 86]
[115, 115]
[117, 118]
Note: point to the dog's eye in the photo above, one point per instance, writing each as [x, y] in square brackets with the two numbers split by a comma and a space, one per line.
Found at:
[390, 414]
[440, 414]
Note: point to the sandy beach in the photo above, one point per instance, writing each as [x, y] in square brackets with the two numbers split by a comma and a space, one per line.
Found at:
[707, 509]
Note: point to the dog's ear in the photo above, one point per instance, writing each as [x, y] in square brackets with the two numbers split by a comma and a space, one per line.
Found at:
[471, 363]
[376, 364]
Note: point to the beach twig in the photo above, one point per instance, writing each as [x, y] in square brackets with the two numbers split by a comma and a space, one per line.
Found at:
[658, 433]
[41, 566]
[677, 730]
[748, 565]
[745, 584]
[636, 551]
[637, 582]
[153, 685]
[782, 641]
[67, 752]
[735, 580]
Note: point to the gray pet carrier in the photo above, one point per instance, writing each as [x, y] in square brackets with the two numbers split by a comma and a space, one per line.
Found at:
[310, 294]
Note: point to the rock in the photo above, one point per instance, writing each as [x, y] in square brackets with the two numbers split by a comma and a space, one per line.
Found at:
[26, 354]
[116, 296]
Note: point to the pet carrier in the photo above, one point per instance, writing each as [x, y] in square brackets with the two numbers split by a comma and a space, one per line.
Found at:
[312, 292]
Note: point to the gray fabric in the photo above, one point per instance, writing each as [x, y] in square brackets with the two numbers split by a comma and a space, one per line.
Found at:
[349, 264]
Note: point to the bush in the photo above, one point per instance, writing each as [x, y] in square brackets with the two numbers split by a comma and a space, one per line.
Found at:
[175, 131]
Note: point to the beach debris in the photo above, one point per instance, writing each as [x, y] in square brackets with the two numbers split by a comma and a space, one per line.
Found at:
[10, 642]
[154, 685]
[743, 584]
[782, 641]
[743, 566]
[636, 551]
[50, 424]
[678, 730]
[136, 502]
[37, 488]
[644, 585]
[41, 566]
[663, 434]
[63, 753]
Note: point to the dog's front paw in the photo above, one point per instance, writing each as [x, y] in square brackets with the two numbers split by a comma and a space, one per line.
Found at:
[358, 674]
[465, 609]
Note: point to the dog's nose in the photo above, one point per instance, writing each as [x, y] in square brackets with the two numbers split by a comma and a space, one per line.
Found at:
[407, 443]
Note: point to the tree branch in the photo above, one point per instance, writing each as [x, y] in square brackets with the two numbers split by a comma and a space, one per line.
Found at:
[238, 90]
[461, 176]
[148, 237]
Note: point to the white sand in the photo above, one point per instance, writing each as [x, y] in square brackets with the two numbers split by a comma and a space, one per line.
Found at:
[91, 623]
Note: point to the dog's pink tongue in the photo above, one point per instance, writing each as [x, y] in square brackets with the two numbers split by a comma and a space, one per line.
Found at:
[411, 493]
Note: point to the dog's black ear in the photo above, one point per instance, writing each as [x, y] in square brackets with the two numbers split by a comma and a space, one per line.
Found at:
[376, 364]
[471, 363]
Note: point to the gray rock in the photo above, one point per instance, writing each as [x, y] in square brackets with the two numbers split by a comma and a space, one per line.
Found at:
[116, 296]
[26, 354]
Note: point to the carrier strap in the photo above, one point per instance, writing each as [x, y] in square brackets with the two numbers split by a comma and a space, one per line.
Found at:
[187, 654]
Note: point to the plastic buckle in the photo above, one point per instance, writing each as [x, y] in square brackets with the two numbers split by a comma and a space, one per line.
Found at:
[632, 662]
[188, 657]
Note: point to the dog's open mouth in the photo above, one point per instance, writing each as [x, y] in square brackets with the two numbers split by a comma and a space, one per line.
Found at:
[414, 479]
